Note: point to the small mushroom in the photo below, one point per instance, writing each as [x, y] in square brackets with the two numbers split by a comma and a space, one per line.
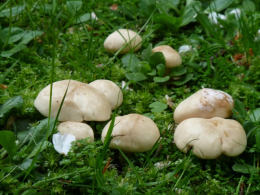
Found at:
[82, 102]
[132, 133]
[172, 57]
[209, 138]
[205, 103]
[111, 91]
[79, 130]
[123, 38]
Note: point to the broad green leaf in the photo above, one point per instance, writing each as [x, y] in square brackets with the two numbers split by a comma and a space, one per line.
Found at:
[161, 79]
[146, 53]
[83, 18]
[248, 6]
[158, 106]
[137, 76]
[219, 5]
[7, 140]
[167, 21]
[190, 13]
[156, 58]
[153, 73]
[12, 34]
[184, 80]
[244, 168]
[131, 63]
[73, 6]
[13, 51]
[15, 102]
[30, 35]
[160, 69]
[165, 5]
[255, 115]
[178, 71]
[14, 10]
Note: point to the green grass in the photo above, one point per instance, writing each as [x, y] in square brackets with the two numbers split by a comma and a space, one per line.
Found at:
[54, 53]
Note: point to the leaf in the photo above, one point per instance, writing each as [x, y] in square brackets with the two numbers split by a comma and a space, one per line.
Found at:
[15, 102]
[167, 21]
[257, 138]
[239, 111]
[137, 76]
[190, 13]
[13, 51]
[156, 58]
[30, 35]
[218, 5]
[14, 10]
[131, 63]
[7, 140]
[160, 69]
[153, 73]
[255, 115]
[244, 168]
[183, 81]
[83, 18]
[178, 71]
[146, 53]
[158, 106]
[73, 6]
[161, 79]
[12, 34]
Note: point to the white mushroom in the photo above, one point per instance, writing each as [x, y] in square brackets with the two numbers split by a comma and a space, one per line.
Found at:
[123, 38]
[209, 138]
[79, 130]
[82, 102]
[205, 103]
[112, 92]
[133, 133]
[172, 57]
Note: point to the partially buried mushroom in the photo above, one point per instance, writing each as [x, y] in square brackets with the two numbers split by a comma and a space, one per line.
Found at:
[205, 103]
[172, 57]
[209, 138]
[124, 39]
[112, 92]
[132, 133]
[82, 102]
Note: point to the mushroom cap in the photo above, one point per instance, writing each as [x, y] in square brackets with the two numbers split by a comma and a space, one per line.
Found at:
[112, 92]
[205, 103]
[82, 102]
[119, 38]
[209, 138]
[133, 133]
[79, 130]
[171, 56]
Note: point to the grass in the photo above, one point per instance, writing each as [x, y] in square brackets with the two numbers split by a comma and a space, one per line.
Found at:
[62, 47]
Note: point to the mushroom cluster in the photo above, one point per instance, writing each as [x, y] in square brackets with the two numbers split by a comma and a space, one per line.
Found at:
[82, 102]
[203, 126]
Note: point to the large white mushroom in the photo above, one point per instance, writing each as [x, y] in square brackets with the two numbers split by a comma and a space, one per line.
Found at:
[82, 102]
[205, 103]
[171, 56]
[123, 38]
[112, 92]
[132, 133]
[209, 138]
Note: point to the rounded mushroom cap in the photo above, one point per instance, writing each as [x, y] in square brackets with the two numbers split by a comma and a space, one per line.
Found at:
[79, 130]
[205, 103]
[112, 92]
[82, 102]
[133, 133]
[120, 38]
[209, 138]
[172, 57]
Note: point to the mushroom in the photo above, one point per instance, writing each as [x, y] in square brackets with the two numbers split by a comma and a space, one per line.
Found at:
[79, 130]
[111, 91]
[209, 138]
[205, 103]
[123, 38]
[172, 57]
[132, 133]
[82, 102]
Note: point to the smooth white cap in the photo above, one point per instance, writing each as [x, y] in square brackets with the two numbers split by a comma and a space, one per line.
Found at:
[111, 91]
[205, 103]
[171, 56]
[79, 130]
[209, 138]
[82, 102]
[121, 38]
[133, 133]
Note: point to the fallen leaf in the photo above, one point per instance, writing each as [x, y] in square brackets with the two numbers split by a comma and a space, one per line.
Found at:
[2, 86]
[114, 7]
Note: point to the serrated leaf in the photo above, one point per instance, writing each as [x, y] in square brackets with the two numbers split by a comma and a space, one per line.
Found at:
[184, 80]
[158, 106]
[131, 63]
[243, 168]
[219, 5]
[13, 51]
[7, 140]
[15, 102]
[14, 10]
[161, 79]
[137, 76]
